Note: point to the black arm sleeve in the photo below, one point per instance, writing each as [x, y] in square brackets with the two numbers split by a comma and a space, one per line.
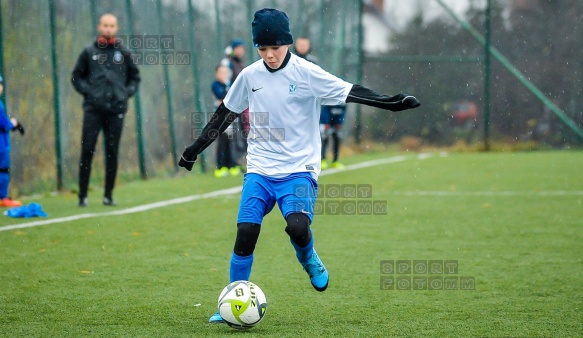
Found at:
[218, 123]
[79, 76]
[133, 79]
[360, 94]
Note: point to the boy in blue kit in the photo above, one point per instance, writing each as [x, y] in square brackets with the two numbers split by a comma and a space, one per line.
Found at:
[331, 121]
[225, 163]
[6, 126]
[283, 93]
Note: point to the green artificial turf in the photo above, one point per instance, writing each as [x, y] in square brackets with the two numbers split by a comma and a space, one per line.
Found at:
[512, 221]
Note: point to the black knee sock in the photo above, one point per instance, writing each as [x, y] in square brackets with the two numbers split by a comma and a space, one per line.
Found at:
[336, 139]
[247, 235]
[298, 229]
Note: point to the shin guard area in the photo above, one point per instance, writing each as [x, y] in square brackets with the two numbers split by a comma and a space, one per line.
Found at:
[247, 235]
[298, 229]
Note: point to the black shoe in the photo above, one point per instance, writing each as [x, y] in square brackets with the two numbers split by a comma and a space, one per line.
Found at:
[109, 202]
[83, 202]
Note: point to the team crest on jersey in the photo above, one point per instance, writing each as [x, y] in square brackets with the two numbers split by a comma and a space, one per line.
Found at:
[117, 57]
[293, 87]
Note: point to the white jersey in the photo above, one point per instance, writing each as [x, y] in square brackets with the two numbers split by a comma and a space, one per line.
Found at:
[284, 113]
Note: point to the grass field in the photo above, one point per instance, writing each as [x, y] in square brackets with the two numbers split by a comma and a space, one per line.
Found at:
[512, 221]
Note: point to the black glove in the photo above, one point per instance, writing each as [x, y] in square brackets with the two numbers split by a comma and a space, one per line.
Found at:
[399, 102]
[219, 122]
[186, 164]
[188, 157]
[19, 127]
[411, 102]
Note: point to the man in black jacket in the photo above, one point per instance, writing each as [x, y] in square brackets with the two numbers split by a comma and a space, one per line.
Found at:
[107, 77]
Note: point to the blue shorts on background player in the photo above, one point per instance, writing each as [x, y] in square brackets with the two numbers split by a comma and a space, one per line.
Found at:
[283, 93]
[6, 126]
[331, 120]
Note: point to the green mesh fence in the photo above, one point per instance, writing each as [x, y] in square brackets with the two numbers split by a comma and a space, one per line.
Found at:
[29, 87]
[432, 55]
[428, 54]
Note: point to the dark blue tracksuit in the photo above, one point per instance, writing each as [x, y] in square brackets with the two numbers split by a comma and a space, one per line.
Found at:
[5, 128]
[224, 154]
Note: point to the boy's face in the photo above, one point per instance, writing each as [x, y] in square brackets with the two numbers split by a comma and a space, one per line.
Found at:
[239, 51]
[273, 55]
[222, 74]
[302, 46]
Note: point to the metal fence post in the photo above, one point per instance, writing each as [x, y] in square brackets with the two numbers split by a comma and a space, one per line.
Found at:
[323, 29]
[358, 117]
[577, 89]
[137, 101]
[487, 70]
[219, 28]
[339, 45]
[3, 95]
[301, 30]
[195, 76]
[56, 103]
[94, 22]
[168, 90]
[93, 8]
[250, 13]
[573, 99]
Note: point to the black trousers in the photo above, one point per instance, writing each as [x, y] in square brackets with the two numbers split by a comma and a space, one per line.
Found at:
[336, 145]
[93, 122]
[224, 152]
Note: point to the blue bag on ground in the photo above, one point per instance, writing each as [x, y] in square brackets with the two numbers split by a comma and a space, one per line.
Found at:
[26, 211]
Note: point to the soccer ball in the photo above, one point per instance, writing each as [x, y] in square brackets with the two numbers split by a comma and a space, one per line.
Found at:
[242, 304]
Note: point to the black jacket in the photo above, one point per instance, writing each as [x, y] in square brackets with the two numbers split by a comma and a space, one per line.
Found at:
[236, 67]
[106, 76]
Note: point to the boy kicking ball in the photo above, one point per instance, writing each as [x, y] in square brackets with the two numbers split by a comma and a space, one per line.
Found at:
[283, 93]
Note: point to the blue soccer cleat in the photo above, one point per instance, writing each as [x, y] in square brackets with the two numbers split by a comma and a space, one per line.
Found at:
[317, 272]
[216, 318]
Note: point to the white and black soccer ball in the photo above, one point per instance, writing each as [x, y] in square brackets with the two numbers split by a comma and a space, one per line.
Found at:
[242, 304]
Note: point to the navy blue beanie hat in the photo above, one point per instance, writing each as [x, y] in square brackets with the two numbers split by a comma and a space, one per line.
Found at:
[270, 27]
[236, 43]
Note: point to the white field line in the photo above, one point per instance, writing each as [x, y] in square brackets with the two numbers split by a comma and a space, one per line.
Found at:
[186, 199]
[490, 193]
[139, 208]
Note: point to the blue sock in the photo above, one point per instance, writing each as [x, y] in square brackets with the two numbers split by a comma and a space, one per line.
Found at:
[304, 253]
[240, 267]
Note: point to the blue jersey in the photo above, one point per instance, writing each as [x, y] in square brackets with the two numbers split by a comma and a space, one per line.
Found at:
[5, 127]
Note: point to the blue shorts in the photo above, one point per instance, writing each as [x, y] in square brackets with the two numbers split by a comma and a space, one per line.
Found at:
[332, 115]
[295, 193]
